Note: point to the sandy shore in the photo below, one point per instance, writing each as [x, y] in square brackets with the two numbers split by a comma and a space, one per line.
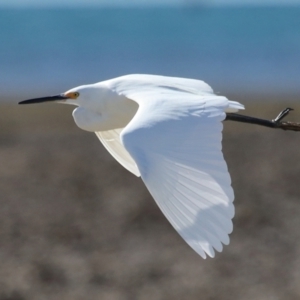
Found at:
[75, 225]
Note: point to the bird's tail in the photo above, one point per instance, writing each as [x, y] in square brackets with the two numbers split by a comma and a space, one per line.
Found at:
[234, 106]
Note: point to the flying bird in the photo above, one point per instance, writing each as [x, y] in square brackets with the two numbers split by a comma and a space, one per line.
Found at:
[168, 131]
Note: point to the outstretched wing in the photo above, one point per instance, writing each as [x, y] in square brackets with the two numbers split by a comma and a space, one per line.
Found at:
[175, 140]
[149, 87]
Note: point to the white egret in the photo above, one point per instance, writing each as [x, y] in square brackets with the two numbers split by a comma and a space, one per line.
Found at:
[168, 131]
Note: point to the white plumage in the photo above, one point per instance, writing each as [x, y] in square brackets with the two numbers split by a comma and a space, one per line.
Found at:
[168, 131]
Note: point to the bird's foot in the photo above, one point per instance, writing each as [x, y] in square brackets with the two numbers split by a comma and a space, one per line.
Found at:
[282, 115]
[276, 123]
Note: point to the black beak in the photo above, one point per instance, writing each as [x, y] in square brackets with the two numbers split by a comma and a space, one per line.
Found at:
[44, 99]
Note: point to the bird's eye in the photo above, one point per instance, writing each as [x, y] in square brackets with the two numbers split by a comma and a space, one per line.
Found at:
[72, 95]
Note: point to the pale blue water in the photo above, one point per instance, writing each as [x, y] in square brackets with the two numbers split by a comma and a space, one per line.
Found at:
[233, 49]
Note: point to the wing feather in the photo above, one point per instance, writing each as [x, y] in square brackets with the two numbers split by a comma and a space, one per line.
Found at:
[111, 141]
[175, 141]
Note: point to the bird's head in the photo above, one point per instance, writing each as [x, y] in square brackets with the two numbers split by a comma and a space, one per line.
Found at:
[77, 96]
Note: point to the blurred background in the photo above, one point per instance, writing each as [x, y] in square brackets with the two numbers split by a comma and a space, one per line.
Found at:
[246, 48]
[73, 223]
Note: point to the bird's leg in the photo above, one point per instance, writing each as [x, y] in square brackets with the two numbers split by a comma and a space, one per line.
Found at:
[276, 123]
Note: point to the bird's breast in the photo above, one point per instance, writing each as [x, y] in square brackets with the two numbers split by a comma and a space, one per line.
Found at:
[113, 116]
[86, 119]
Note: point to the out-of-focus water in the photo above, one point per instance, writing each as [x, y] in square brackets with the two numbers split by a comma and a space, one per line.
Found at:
[233, 49]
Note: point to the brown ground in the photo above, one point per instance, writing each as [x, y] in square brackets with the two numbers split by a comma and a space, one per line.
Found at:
[75, 225]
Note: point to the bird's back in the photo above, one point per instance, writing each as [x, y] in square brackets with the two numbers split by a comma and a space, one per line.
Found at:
[145, 81]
